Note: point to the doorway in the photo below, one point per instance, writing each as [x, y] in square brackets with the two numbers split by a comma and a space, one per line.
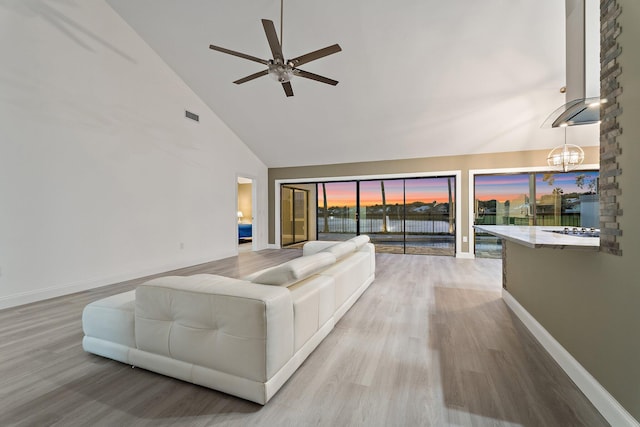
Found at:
[244, 214]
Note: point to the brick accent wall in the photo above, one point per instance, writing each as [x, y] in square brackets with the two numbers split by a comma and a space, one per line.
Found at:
[610, 89]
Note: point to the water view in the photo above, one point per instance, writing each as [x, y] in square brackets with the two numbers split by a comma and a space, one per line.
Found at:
[400, 215]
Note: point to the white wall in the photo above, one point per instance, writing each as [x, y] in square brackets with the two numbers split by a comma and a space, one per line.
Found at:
[101, 176]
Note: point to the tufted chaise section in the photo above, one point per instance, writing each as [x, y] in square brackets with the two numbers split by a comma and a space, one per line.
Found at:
[224, 324]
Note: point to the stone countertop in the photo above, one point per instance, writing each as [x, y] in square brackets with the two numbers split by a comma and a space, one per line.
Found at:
[538, 237]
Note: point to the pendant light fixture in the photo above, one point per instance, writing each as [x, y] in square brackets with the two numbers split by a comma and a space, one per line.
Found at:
[565, 157]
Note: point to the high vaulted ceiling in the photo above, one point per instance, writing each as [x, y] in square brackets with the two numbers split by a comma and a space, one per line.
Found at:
[418, 78]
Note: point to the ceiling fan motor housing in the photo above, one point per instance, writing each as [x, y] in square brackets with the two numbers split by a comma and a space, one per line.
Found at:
[279, 71]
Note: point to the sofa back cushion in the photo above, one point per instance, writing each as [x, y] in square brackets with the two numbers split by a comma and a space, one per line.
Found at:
[360, 240]
[340, 250]
[292, 271]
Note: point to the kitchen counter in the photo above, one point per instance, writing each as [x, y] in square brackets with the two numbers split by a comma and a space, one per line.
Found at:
[539, 237]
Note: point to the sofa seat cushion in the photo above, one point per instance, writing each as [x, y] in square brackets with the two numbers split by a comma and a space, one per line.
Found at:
[224, 324]
[292, 271]
[349, 274]
[111, 319]
[313, 305]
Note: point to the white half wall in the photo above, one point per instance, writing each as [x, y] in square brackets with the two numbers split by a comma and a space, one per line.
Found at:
[102, 177]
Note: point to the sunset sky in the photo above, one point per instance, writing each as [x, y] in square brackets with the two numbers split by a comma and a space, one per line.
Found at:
[488, 187]
[512, 187]
[424, 189]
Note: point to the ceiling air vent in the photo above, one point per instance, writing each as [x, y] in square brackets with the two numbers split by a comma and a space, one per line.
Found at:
[189, 115]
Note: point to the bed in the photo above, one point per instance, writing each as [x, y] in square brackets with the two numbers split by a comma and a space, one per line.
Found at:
[244, 231]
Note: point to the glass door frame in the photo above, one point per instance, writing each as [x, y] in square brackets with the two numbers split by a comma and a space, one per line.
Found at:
[457, 173]
[294, 215]
[412, 239]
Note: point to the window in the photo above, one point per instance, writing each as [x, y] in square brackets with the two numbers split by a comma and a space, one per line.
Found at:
[537, 198]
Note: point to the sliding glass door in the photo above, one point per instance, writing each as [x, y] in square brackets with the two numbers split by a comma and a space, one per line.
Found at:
[294, 208]
[337, 210]
[430, 216]
[499, 200]
[382, 213]
[413, 215]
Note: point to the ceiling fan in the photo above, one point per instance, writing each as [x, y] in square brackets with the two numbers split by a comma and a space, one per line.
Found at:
[279, 68]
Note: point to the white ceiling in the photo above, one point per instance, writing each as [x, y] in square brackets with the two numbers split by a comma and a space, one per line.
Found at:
[418, 78]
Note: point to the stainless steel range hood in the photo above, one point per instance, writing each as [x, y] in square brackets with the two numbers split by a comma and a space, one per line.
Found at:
[583, 111]
[583, 66]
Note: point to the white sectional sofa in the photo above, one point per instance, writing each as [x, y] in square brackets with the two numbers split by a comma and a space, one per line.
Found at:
[242, 337]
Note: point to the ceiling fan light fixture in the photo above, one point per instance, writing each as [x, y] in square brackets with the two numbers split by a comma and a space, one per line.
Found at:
[280, 72]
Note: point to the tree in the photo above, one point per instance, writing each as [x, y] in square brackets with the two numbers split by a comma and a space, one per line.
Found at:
[557, 205]
[384, 208]
[451, 211]
[581, 180]
[549, 178]
[326, 211]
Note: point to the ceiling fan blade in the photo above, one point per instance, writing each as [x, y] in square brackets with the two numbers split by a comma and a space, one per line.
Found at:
[316, 77]
[312, 56]
[241, 55]
[287, 88]
[252, 76]
[272, 38]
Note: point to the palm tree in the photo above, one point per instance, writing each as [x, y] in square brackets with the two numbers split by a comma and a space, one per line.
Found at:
[451, 211]
[326, 212]
[549, 178]
[384, 208]
[557, 205]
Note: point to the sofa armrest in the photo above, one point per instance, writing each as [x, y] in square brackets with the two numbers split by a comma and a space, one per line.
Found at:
[368, 248]
[371, 250]
[225, 324]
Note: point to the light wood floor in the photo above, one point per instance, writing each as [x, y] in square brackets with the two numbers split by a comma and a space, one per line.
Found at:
[430, 343]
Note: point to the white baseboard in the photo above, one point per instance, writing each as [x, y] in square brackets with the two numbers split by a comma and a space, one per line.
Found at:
[604, 402]
[41, 294]
[465, 255]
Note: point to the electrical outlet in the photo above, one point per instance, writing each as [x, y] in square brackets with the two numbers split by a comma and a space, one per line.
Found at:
[464, 239]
